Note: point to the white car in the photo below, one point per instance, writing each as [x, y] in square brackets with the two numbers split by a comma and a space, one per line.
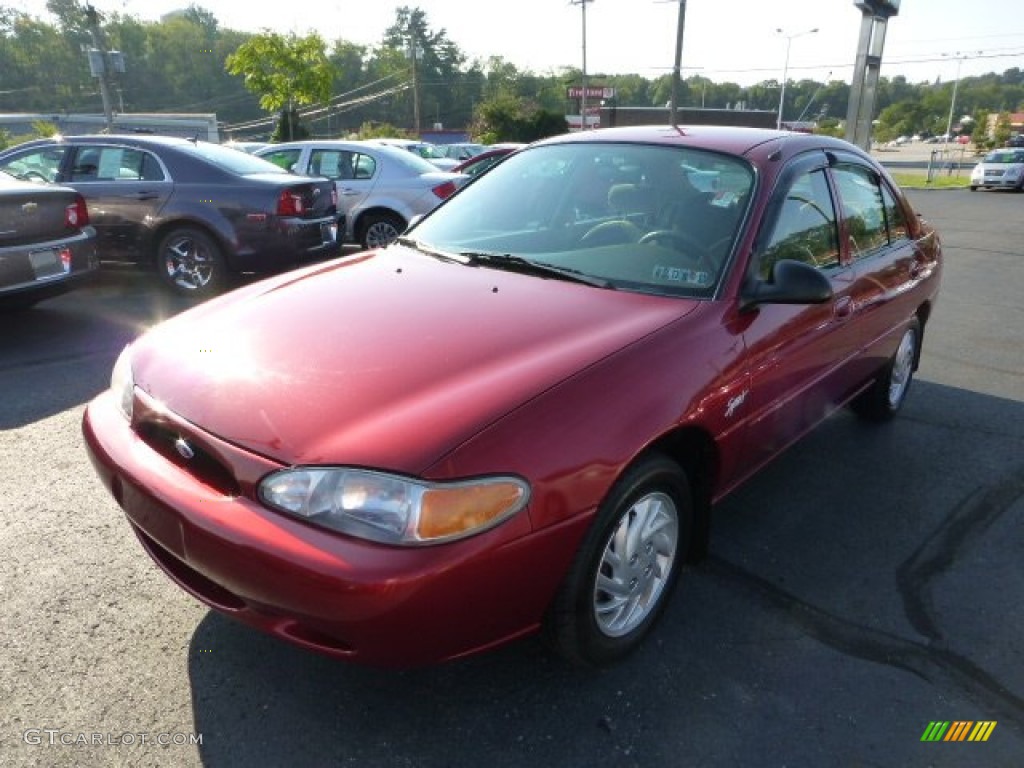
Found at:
[1001, 169]
[461, 151]
[380, 188]
[430, 152]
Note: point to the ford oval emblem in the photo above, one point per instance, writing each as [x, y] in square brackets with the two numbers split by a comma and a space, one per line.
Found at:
[184, 449]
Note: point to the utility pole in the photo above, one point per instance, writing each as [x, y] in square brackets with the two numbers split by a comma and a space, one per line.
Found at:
[414, 54]
[676, 74]
[952, 104]
[92, 18]
[785, 71]
[583, 93]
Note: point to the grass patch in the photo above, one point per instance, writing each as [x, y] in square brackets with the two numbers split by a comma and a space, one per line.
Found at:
[940, 180]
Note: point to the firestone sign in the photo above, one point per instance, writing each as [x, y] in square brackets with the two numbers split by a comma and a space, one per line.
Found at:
[593, 92]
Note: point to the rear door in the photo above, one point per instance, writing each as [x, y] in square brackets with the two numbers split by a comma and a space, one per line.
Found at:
[354, 175]
[125, 188]
[887, 262]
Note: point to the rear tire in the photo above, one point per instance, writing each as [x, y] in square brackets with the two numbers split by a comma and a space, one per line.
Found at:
[627, 566]
[190, 263]
[377, 230]
[885, 397]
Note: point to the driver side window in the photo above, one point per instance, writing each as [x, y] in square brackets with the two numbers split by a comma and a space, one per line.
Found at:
[805, 229]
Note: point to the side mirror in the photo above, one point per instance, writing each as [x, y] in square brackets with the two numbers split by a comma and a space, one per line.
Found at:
[793, 282]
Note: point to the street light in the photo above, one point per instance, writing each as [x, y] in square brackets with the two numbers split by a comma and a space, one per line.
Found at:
[952, 103]
[785, 69]
[583, 94]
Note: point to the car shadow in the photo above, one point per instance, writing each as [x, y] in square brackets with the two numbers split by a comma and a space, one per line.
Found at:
[58, 354]
[853, 584]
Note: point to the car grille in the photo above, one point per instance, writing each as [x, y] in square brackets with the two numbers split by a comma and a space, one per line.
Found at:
[203, 465]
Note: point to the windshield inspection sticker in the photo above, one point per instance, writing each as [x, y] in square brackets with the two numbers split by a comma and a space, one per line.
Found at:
[679, 275]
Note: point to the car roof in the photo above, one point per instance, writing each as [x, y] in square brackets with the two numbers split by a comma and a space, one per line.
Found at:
[117, 138]
[734, 140]
[353, 144]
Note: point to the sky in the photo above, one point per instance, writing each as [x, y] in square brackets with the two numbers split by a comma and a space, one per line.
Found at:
[725, 40]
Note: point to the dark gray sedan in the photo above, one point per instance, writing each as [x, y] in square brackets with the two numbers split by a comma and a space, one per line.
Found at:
[46, 243]
[195, 211]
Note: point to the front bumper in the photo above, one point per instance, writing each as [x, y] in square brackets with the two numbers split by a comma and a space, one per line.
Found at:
[393, 606]
[997, 182]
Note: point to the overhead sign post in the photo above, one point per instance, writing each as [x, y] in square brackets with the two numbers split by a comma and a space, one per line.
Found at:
[875, 17]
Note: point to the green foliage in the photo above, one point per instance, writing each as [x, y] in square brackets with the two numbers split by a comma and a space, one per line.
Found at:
[41, 129]
[382, 131]
[283, 69]
[179, 65]
[509, 118]
[1003, 129]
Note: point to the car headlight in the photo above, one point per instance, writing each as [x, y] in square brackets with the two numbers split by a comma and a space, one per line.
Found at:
[390, 508]
[122, 383]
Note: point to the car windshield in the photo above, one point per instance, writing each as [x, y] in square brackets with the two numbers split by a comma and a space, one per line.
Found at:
[1004, 156]
[653, 219]
[231, 160]
[428, 151]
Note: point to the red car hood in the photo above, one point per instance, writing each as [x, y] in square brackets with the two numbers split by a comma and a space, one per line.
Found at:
[388, 359]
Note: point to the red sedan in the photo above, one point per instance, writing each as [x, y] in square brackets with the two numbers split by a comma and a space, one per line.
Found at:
[520, 414]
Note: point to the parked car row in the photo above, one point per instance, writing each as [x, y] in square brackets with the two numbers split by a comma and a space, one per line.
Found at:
[194, 211]
[199, 213]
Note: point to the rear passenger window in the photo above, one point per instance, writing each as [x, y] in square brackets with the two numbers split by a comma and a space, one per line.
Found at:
[363, 167]
[894, 216]
[805, 229]
[863, 208]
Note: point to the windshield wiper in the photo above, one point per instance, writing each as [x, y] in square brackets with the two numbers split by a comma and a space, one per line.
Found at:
[419, 245]
[512, 263]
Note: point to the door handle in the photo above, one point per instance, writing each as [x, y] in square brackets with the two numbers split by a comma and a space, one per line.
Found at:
[146, 195]
[843, 307]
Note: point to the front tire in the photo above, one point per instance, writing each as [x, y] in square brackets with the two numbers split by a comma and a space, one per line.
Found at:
[191, 263]
[626, 568]
[885, 397]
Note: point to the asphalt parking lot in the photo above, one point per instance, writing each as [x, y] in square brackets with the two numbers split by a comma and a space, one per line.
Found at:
[864, 586]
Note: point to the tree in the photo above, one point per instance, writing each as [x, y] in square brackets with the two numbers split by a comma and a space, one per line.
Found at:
[509, 118]
[283, 70]
[1003, 129]
[436, 62]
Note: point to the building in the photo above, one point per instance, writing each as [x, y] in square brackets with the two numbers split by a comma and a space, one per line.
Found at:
[751, 118]
[202, 126]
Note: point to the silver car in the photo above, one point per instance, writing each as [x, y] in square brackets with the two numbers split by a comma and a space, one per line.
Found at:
[380, 188]
[424, 149]
[1001, 169]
